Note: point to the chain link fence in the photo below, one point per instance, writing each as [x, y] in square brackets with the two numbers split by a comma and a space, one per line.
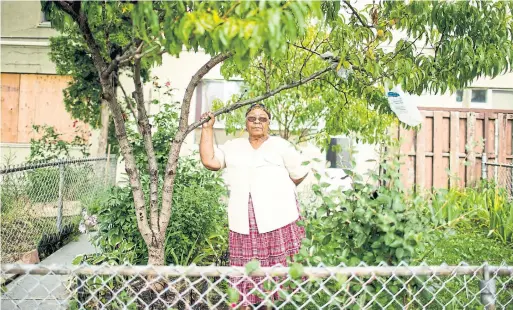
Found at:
[500, 173]
[42, 203]
[295, 287]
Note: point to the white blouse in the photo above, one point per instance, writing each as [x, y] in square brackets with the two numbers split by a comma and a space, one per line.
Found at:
[266, 174]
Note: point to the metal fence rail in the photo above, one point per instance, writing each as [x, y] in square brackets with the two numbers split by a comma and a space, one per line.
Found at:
[501, 174]
[296, 287]
[42, 202]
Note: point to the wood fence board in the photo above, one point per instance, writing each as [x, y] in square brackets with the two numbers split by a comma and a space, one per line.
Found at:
[438, 130]
[405, 136]
[429, 134]
[420, 157]
[429, 172]
[471, 157]
[502, 138]
[446, 125]
[453, 140]
[454, 132]
[445, 177]
[509, 137]
[491, 136]
[10, 100]
[490, 141]
[463, 133]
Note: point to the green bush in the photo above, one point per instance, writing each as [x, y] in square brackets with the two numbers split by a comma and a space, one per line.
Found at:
[353, 226]
[198, 217]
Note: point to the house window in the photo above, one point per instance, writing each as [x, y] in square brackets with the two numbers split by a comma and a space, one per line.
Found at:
[479, 96]
[339, 153]
[502, 99]
[459, 95]
[210, 90]
[44, 22]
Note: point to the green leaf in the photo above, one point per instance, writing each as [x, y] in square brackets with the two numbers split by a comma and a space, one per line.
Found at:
[233, 295]
[252, 266]
[296, 270]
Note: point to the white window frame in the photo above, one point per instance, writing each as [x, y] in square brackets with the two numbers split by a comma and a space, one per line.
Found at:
[44, 23]
[483, 105]
[206, 106]
[462, 96]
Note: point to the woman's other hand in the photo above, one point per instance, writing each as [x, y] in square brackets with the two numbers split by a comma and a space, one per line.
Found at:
[210, 122]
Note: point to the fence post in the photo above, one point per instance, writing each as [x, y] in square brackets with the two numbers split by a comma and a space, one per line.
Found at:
[484, 168]
[60, 202]
[488, 289]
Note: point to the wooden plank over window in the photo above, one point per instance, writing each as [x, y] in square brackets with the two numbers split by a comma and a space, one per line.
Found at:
[42, 103]
[10, 101]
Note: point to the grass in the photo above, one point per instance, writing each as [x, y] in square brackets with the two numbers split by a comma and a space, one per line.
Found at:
[470, 245]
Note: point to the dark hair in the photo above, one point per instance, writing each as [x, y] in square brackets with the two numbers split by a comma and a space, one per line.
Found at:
[258, 106]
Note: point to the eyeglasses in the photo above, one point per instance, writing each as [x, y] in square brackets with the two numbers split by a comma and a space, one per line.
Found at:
[253, 119]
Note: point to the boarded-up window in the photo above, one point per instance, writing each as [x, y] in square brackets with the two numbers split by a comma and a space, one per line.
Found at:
[35, 99]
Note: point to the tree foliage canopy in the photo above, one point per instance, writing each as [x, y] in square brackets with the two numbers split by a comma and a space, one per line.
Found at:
[423, 47]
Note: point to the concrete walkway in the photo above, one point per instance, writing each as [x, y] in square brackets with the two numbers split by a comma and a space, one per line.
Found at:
[48, 291]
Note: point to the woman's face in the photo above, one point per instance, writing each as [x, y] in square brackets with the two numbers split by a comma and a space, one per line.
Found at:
[257, 123]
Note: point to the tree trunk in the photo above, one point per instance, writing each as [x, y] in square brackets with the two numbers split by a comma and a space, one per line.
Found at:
[104, 129]
[156, 255]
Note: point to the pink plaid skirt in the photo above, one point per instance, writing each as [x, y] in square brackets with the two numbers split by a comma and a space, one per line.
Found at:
[270, 249]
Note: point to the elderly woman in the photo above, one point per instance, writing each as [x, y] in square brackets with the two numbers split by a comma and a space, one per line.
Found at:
[261, 173]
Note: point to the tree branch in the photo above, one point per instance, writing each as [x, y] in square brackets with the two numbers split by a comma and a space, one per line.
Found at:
[130, 105]
[67, 7]
[333, 85]
[275, 91]
[126, 57]
[305, 48]
[109, 95]
[174, 153]
[144, 125]
[309, 55]
[266, 77]
[78, 16]
[437, 47]
[357, 15]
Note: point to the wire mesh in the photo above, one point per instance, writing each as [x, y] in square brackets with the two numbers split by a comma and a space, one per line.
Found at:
[502, 174]
[170, 287]
[42, 202]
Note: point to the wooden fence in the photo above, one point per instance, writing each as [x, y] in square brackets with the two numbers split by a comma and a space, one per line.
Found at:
[446, 151]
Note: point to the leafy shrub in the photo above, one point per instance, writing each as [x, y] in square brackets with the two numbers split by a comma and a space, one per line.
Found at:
[51, 147]
[369, 224]
[197, 216]
[354, 225]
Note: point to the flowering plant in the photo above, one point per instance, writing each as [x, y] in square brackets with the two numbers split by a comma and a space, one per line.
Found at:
[88, 222]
